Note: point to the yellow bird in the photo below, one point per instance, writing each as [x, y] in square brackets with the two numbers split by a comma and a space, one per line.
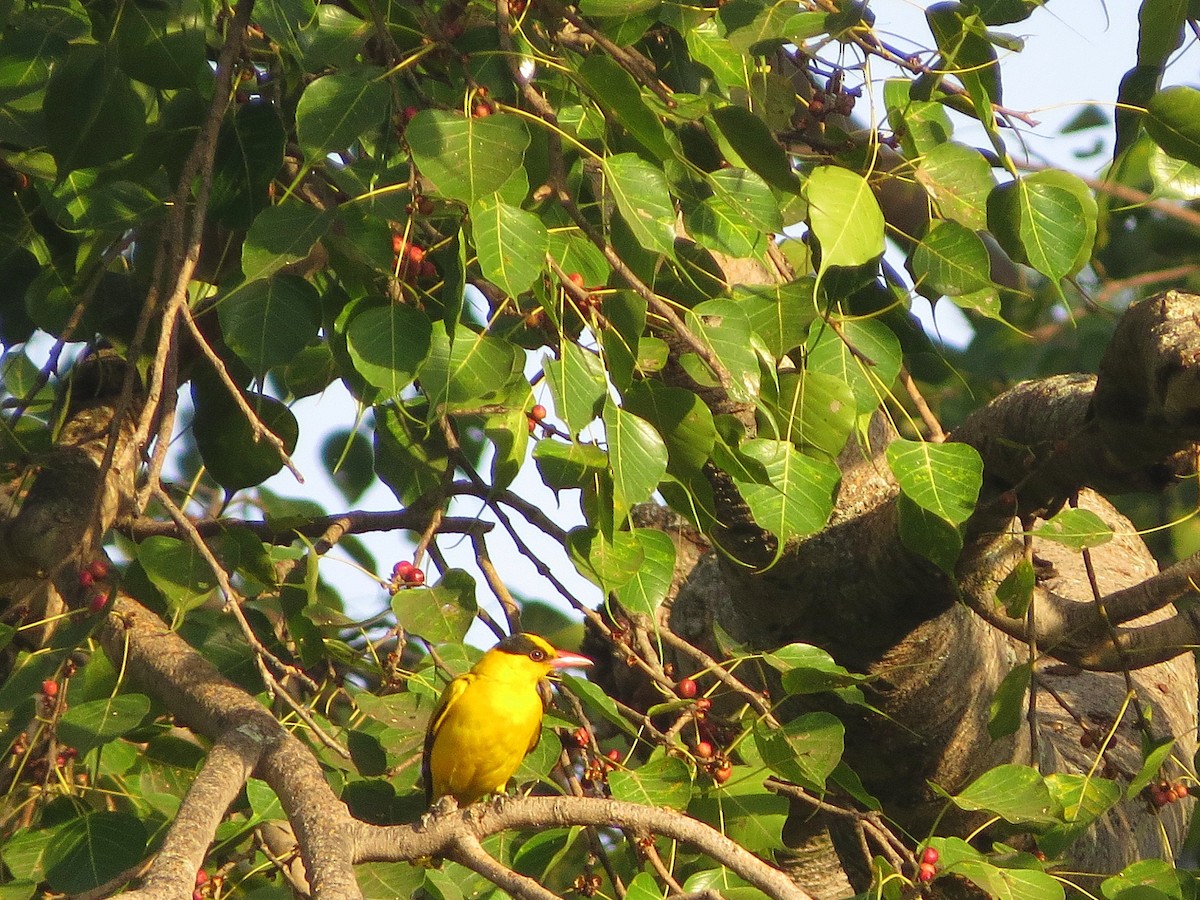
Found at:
[489, 719]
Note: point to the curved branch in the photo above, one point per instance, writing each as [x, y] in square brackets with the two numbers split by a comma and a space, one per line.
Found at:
[225, 770]
[467, 851]
[355, 521]
[439, 834]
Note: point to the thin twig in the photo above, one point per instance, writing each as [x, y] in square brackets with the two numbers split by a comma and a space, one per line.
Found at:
[936, 434]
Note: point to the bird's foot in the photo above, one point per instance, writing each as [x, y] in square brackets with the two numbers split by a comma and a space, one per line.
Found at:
[443, 807]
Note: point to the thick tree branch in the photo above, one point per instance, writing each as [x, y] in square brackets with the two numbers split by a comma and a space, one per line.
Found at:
[439, 835]
[228, 764]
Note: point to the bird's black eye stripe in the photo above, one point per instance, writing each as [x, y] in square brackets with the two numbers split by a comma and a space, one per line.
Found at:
[537, 654]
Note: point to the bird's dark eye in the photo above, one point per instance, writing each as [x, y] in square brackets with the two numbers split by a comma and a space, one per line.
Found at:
[537, 655]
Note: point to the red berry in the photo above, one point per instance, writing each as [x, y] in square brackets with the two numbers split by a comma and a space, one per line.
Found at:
[537, 413]
[98, 568]
[926, 872]
[198, 895]
[98, 602]
[201, 877]
[686, 688]
[532, 424]
[576, 279]
[722, 772]
[410, 113]
[703, 704]
[1181, 790]
[1039, 855]
[50, 688]
[403, 569]
[930, 855]
[1159, 797]
[415, 253]
[613, 755]
[704, 750]
[60, 761]
[582, 738]
[415, 577]
[86, 578]
[398, 243]
[427, 269]
[481, 111]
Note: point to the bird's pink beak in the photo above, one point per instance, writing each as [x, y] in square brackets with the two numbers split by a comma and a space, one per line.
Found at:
[564, 660]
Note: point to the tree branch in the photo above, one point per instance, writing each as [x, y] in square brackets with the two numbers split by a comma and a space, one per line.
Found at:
[439, 834]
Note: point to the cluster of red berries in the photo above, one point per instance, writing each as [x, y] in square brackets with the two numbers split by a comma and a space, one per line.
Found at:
[481, 108]
[65, 755]
[410, 260]
[535, 416]
[927, 867]
[1163, 792]
[95, 571]
[405, 574]
[207, 886]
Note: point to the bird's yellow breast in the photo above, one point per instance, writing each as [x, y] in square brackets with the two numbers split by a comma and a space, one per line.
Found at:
[488, 726]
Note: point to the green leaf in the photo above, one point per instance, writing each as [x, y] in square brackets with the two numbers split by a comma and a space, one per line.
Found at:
[249, 156]
[941, 478]
[815, 411]
[779, 314]
[1039, 223]
[637, 456]
[724, 328]
[1164, 880]
[93, 114]
[441, 614]
[1009, 884]
[929, 535]
[681, 418]
[1173, 122]
[511, 244]
[336, 110]
[806, 750]
[474, 369]
[621, 98]
[662, 781]
[959, 180]
[753, 142]
[90, 850]
[806, 669]
[282, 235]
[268, 322]
[616, 7]
[799, 498]
[388, 344]
[596, 702]
[744, 812]
[467, 158]
[648, 588]
[1154, 755]
[643, 199]
[1084, 799]
[749, 196]
[564, 466]
[226, 441]
[1008, 703]
[1075, 528]
[577, 383]
[1018, 794]
[97, 722]
[844, 216]
[178, 570]
[870, 368]
[610, 565]
[1016, 590]
[951, 260]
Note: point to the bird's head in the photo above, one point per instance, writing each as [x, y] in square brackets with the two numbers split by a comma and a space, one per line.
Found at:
[526, 657]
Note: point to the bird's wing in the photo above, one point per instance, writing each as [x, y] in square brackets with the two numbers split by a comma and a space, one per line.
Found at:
[450, 695]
